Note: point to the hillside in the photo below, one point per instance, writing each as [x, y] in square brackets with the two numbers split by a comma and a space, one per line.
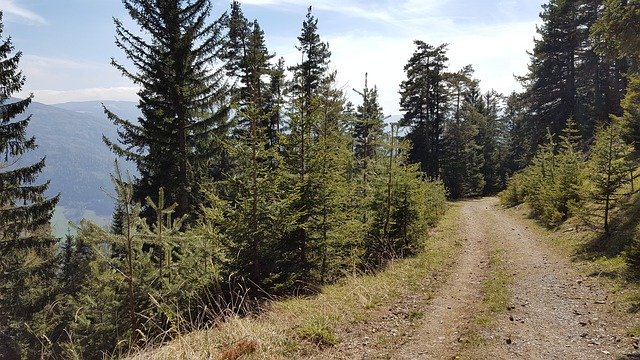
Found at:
[78, 163]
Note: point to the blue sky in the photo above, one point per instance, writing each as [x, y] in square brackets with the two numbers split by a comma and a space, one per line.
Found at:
[68, 44]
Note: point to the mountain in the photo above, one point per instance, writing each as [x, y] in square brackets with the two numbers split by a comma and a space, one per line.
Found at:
[77, 161]
[125, 109]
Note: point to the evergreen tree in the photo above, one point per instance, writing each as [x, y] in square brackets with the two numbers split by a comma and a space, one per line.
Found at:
[275, 103]
[492, 138]
[178, 140]
[27, 249]
[423, 98]
[630, 118]
[369, 125]
[135, 292]
[609, 171]
[517, 143]
[567, 78]
[235, 47]
[463, 160]
[617, 28]
[254, 188]
[308, 78]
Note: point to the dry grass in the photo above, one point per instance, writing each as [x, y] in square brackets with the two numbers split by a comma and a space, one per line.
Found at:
[298, 327]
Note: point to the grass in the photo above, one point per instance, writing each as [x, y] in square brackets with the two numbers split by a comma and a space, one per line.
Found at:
[298, 327]
[495, 298]
[495, 295]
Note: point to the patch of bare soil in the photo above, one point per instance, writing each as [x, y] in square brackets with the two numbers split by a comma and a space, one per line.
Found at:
[554, 313]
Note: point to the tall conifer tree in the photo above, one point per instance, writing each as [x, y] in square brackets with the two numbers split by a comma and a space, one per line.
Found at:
[309, 76]
[369, 126]
[567, 78]
[27, 249]
[423, 98]
[178, 140]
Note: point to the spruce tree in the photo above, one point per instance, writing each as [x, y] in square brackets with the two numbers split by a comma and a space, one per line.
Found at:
[617, 28]
[178, 141]
[369, 126]
[253, 190]
[27, 248]
[630, 118]
[423, 98]
[304, 112]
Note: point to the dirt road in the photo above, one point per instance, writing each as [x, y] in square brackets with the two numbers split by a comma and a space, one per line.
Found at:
[552, 311]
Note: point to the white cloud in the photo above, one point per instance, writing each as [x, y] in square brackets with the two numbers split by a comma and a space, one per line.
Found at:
[125, 93]
[388, 11]
[13, 10]
[497, 53]
[497, 49]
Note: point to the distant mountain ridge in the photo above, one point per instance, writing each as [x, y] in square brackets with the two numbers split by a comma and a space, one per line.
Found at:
[78, 163]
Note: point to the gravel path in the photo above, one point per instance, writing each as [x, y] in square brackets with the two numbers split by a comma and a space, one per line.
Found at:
[554, 313]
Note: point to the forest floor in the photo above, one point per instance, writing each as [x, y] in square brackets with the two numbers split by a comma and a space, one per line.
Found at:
[509, 295]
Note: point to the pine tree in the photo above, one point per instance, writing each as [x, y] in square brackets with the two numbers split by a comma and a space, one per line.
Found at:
[423, 98]
[369, 125]
[27, 249]
[179, 139]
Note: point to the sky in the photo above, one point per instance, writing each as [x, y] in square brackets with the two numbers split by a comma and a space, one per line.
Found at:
[67, 45]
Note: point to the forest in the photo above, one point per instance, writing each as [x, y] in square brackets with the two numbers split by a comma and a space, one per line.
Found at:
[258, 179]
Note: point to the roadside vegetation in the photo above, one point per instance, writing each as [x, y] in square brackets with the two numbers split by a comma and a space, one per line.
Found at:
[303, 325]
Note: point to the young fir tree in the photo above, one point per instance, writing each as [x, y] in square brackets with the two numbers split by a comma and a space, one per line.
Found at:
[27, 248]
[423, 98]
[146, 284]
[366, 124]
[329, 220]
[368, 127]
[402, 205]
[630, 118]
[254, 189]
[304, 111]
[178, 140]
[609, 171]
